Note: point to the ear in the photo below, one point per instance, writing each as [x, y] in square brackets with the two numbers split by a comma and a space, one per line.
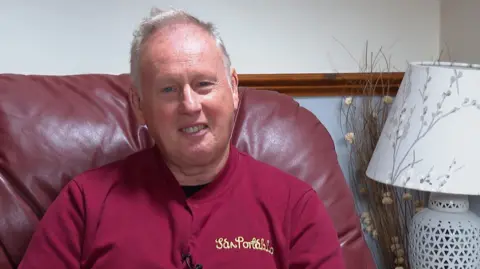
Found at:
[136, 103]
[234, 81]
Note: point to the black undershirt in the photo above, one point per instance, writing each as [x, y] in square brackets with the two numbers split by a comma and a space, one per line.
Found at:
[191, 190]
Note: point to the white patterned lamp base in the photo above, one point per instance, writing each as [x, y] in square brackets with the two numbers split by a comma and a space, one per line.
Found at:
[445, 235]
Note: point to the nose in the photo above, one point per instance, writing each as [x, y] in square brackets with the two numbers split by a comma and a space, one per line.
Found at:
[190, 100]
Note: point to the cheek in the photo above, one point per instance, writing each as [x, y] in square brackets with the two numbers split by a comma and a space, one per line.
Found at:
[160, 115]
[219, 111]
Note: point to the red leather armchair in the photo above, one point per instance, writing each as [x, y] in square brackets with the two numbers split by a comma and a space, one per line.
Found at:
[55, 127]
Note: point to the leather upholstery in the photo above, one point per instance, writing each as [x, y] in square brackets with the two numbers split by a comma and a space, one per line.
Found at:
[54, 127]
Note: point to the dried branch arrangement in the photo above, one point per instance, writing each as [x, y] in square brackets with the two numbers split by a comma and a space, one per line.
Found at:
[386, 210]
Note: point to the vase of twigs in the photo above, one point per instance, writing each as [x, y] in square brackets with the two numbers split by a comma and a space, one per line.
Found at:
[385, 210]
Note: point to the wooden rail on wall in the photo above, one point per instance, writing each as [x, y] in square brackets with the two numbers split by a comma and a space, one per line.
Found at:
[324, 84]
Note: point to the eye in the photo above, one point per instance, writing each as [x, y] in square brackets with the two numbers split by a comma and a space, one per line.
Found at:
[168, 89]
[204, 84]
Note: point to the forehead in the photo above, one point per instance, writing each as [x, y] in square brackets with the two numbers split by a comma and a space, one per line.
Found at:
[183, 45]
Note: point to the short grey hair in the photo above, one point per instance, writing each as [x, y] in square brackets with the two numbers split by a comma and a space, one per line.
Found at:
[159, 19]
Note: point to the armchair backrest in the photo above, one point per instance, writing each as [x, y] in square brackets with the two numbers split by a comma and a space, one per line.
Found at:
[55, 127]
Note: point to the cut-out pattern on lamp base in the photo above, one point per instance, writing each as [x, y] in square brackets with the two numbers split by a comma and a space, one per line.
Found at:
[445, 240]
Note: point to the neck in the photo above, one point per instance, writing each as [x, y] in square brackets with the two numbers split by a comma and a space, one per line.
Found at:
[191, 175]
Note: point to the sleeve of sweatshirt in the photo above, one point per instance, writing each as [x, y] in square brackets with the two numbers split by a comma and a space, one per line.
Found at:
[314, 242]
[56, 242]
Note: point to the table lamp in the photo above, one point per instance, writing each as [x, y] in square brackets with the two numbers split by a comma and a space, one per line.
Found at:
[431, 142]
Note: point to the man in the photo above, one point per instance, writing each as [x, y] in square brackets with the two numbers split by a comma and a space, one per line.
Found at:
[193, 200]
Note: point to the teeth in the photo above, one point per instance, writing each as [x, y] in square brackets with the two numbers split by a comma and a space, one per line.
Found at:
[194, 129]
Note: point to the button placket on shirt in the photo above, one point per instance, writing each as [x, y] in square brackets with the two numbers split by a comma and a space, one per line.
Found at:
[193, 209]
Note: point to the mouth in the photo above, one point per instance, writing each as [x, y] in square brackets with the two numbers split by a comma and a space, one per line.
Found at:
[194, 129]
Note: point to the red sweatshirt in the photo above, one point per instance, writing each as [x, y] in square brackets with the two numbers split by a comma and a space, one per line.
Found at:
[133, 214]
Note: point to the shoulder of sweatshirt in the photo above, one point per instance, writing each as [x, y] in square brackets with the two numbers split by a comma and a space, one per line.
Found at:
[96, 183]
[267, 179]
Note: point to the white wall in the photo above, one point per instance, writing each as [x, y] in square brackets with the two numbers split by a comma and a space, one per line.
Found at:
[460, 34]
[267, 36]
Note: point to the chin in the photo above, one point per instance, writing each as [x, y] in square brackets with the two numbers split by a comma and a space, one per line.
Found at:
[203, 153]
[200, 150]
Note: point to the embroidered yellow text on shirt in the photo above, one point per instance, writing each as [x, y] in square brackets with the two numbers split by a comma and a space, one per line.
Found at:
[239, 243]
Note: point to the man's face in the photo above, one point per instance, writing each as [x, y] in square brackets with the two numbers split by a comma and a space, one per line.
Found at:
[186, 101]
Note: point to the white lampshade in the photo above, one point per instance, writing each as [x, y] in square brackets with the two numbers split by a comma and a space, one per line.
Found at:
[431, 139]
